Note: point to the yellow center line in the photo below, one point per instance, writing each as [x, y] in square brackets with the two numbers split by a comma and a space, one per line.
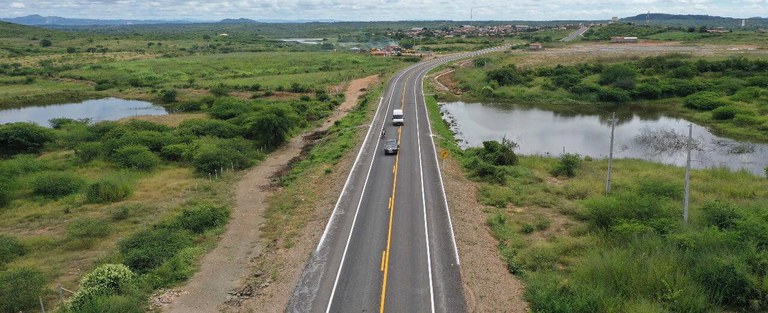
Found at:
[383, 255]
[392, 208]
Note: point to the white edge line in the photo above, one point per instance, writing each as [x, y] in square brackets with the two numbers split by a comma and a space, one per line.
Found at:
[423, 196]
[360, 202]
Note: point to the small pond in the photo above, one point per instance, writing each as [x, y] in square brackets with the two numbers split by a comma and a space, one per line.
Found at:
[653, 136]
[308, 41]
[106, 109]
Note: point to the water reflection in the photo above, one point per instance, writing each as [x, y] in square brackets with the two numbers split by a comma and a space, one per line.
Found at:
[95, 110]
[542, 132]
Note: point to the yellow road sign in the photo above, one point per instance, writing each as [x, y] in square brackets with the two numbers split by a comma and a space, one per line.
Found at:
[444, 154]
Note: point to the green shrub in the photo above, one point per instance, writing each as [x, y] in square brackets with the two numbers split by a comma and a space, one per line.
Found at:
[176, 269]
[148, 249]
[728, 281]
[216, 128]
[60, 122]
[742, 119]
[55, 185]
[724, 113]
[618, 75]
[720, 214]
[225, 109]
[609, 94]
[507, 76]
[120, 213]
[214, 154]
[105, 280]
[567, 166]
[10, 248]
[24, 137]
[20, 289]
[136, 157]
[703, 101]
[499, 153]
[86, 228]
[133, 303]
[202, 217]
[176, 152]
[6, 186]
[271, 127]
[168, 96]
[649, 210]
[526, 228]
[108, 189]
[660, 187]
[219, 91]
[88, 151]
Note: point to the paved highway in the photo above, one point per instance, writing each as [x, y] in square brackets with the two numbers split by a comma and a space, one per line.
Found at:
[576, 34]
[389, 244]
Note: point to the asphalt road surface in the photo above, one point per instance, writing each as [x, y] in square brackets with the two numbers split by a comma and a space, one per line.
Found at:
[576, 34]
[389, 244]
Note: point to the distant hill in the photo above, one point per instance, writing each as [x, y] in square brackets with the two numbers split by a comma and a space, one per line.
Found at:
[38, 20]
[661, 19]
[11, 30]
[238, 21]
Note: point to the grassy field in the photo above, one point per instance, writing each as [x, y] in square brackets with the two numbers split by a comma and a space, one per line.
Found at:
[579, 250]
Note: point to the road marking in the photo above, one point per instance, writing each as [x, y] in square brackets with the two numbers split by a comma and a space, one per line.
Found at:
[392, 209]
[359, 203]
[423, 199]
[383, 255]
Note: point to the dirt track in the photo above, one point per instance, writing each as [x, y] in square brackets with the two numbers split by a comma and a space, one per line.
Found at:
[225, 267]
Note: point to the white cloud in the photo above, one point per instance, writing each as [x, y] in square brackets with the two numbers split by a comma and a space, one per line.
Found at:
[18, 5]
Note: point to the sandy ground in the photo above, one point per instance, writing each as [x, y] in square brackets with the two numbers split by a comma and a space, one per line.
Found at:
[224, 269]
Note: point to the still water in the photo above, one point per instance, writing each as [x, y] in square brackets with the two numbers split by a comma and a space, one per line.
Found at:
[543, 132]
[106, 109]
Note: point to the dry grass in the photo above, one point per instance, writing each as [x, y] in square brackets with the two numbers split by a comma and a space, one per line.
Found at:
[171, 120]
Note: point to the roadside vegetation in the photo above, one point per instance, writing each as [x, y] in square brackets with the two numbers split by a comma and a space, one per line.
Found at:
[726, 94]
[579, 250]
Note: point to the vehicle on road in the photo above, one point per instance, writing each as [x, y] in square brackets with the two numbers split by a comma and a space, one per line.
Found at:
[397, 117]
[391, 146]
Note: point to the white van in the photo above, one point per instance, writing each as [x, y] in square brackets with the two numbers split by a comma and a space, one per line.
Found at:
[397, 117]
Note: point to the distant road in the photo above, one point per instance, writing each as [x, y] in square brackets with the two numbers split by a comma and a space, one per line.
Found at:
[576, 34]
[389, 245]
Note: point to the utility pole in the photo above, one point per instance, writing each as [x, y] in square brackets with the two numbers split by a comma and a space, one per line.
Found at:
[688, 173]
[610, 156]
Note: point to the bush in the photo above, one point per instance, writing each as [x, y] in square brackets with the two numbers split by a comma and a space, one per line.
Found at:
[60, 122]
[24, 137]
[271, 126]
[168, 96]
[619, 75]
[722, 215]
[660, 188]
[703, 101]
[55, 185]
[86, 228]
[10, 248]
[507, 76]
[724, 113]
[214, 156]
[88, 151]
[202, 217]
[6, 185]
[742, 119]
[136, 157]
[177, 152]
[216, 128]
[567, 166]
[71, 49]
[648, 210]
[105, 280]
[45, 43]
[219, 91]
[108, 189]
[728, 281]
[609, 94]
[148, 249]
[20, 289]
[225, 109]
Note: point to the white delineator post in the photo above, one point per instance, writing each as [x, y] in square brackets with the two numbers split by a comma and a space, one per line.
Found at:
[688, 173]
[610, 156]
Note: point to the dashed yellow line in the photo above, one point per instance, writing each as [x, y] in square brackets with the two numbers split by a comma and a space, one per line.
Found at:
[385, 256]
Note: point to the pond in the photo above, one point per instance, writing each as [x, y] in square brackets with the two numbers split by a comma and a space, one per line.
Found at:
[308, 41]
[652, 136]
[106, 109]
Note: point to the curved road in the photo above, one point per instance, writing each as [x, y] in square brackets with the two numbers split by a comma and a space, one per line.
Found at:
[389, 244]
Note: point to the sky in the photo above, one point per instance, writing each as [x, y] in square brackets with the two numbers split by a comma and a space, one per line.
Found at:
[377, 10]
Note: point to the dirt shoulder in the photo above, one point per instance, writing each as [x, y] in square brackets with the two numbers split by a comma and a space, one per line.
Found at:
[223, 270]
[488, 286]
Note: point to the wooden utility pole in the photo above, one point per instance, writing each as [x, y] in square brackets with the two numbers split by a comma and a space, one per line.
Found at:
[688, 173]
[610, 156]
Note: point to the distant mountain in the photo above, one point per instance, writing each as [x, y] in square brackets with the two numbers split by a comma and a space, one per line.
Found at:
[694, 20]
[238, 21]
[37, 20]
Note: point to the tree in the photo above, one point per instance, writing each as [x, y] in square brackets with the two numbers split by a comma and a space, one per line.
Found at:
[271, 126]
[71, 49]
[46, 43]
[168, 96]
[23, 137]
[619, 75]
